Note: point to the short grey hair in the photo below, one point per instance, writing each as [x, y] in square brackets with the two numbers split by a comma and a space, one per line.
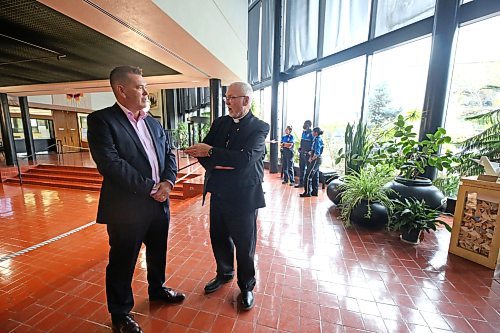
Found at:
[245, 88]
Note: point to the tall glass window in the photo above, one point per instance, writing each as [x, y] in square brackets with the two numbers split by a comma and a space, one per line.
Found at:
[300, 94]
[340, 103]
[395, 14]
[476, 73]
[346, 24]
[397, 84]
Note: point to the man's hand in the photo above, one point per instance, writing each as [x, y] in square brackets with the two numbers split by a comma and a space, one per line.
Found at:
[198, 150]
[163, 191]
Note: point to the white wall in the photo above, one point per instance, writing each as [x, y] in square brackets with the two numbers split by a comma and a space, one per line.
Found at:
[219, 25]
[46, 99]
[101, 100]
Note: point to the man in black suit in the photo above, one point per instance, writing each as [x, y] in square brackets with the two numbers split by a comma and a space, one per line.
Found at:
[139, 170]
[232, 154]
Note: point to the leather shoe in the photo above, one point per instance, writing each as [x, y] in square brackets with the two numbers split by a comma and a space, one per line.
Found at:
[314, 194]
[215, 284]
[167, 295]
[125, 324]
[304, 195]
[247, 300]
[298, 186]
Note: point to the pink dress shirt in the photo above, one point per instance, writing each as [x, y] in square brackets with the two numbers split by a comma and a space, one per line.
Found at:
[142, 131]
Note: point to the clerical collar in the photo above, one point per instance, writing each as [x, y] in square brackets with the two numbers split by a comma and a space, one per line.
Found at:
[237, 120]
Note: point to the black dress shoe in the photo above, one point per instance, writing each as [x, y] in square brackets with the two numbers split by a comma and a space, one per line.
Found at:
[299, 186]
[314, 194]
[125, 324]
[284, 182]
[304, 195]
[247, 300]
[167, 295]
[216, 283]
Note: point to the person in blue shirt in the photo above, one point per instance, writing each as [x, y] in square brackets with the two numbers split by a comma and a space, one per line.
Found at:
[311, 181]
[287, 142]
[305, 146]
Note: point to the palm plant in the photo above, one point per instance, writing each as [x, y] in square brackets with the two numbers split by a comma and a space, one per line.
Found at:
[486, 143]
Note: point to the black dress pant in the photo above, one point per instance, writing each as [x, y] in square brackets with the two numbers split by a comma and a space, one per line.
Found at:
[232, 228]
[125, 242]
[288, 165]
[303, 160]
[312, 177]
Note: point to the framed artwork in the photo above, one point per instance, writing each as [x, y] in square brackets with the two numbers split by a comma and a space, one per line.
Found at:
[153, 99]
[476, 223]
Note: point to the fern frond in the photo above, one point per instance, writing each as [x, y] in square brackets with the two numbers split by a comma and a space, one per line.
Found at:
[490, 117]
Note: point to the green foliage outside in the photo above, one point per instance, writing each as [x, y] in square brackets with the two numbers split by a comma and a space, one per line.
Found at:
[181, 136]
[380, 111]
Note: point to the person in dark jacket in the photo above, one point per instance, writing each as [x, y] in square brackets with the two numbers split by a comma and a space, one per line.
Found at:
[305, 146]
[311, 184]
[232, 154]
[287, 154]
[139, 170]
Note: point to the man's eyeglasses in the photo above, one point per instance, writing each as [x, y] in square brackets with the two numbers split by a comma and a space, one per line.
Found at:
[230, 98]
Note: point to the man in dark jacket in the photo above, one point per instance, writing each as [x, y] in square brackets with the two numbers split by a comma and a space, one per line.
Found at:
[232, 155]
[134, 156]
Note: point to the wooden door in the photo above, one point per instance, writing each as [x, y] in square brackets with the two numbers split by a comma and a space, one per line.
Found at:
[66, 130]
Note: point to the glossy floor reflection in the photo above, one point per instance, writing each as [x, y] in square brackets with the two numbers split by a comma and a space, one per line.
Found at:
[313, 275]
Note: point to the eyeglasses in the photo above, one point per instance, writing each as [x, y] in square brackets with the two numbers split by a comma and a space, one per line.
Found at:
[230, 98]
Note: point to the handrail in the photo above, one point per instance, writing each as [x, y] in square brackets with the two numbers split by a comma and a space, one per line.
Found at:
[19, 174]
[187, 166]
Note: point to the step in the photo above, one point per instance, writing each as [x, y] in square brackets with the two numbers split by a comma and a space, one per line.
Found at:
[66, 167]
[64, 184]
[87, 172]
[63, 177]
[65, 172]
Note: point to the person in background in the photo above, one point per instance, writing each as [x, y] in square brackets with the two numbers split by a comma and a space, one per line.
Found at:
[232, 154]
[305, 147]
[135, 159]
[287, 143]
[311, 184]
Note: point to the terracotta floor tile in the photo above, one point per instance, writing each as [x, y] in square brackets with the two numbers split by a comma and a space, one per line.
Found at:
[312, 273]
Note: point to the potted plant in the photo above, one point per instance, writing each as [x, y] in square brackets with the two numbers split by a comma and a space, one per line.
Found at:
[412, 216]
[365, 200]
[411, 157]
[354, 154]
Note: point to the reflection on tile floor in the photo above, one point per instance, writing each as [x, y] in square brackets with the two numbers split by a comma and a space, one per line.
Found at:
[313, 274]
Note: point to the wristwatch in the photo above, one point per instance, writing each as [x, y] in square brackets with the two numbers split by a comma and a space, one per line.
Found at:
[210, 152]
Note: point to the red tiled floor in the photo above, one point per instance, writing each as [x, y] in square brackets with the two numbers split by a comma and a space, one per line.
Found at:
[313, 275]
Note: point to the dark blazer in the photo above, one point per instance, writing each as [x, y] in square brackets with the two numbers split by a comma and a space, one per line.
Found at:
[123, 163]
[241, 187]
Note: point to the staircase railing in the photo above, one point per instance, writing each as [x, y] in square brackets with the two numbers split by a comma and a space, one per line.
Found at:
[28, 157]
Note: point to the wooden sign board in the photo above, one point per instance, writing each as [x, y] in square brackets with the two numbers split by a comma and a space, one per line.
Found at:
[476, 224]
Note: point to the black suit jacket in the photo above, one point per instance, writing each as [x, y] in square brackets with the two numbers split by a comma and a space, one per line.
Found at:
[244, 151]
[123, 163]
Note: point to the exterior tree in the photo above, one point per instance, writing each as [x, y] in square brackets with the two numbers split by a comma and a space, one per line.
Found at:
[380, 112]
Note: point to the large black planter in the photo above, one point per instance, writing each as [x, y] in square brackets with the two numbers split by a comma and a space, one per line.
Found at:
[420, 188]
[410, 236]
[333, 191]
[378, 217]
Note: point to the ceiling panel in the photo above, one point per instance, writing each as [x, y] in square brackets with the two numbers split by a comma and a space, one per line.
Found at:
[39, 45]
